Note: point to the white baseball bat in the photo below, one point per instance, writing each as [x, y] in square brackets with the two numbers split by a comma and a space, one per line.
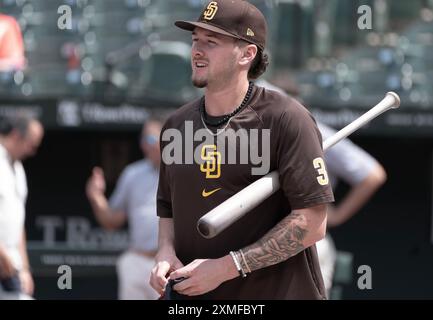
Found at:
[235, 207]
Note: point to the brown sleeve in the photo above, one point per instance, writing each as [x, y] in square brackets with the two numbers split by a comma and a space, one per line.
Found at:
[163, 198]
[299, 144]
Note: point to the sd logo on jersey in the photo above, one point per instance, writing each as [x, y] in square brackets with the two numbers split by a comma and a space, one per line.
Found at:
[212, 164]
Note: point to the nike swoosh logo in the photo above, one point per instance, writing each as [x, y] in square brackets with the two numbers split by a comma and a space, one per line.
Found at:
[207, 194]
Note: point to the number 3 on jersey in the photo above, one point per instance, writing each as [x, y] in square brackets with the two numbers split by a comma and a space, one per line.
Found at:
[319, 165]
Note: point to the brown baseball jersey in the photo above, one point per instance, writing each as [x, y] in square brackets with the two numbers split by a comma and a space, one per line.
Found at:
[188, 190]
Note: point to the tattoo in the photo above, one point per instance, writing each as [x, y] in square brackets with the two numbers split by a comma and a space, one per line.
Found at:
[280, 243]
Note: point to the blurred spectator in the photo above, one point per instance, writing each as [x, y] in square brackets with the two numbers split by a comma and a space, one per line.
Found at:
[360, 171]
[363, 174]
[20, 138]
[11, 45]
[133, 201]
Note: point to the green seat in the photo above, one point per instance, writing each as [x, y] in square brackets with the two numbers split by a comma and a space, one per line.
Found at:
[166, 74]
[119, 5]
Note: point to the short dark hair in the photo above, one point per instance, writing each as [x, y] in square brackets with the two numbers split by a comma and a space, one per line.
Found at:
[259, 65]
[18, 122]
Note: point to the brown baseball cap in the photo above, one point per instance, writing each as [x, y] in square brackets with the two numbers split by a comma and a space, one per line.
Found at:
[235, 18]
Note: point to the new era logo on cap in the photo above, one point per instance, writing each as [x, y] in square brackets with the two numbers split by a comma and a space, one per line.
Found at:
[234, 18]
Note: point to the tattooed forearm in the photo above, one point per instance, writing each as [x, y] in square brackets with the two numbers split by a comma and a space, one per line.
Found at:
[280, 243]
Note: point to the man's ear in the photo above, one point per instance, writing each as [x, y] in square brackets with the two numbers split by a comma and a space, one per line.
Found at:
[249, 52]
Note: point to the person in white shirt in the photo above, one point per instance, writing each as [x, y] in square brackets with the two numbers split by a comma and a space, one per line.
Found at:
[20, 138]
[364, 174]
[133, 200]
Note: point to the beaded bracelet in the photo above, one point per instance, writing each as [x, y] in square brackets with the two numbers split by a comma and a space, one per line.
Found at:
[245, 261]
[237, 264]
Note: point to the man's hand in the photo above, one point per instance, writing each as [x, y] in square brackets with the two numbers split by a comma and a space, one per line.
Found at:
[165, 264]
[27, 284]
[204, 275]
[96, 183]
[95, 189]
[7, 269]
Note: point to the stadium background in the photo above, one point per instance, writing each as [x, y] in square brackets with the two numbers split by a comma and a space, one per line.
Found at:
[94, 84]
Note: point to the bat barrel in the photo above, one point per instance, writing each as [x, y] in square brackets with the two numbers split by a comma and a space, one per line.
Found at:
[245, 200]
[205, 229]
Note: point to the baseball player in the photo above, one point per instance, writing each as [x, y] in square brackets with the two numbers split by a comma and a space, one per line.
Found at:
[270, 253]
